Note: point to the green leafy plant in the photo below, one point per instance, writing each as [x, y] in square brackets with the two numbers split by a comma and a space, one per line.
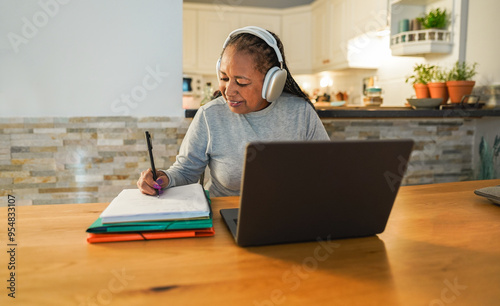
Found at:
[439, 74]
[462, 71]
[435, 19]
[488, 159]
[422, 73]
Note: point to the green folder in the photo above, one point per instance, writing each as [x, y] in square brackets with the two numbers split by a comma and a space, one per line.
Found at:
[98, 227]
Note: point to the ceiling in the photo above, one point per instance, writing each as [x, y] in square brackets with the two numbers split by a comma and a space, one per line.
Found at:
[256, 3]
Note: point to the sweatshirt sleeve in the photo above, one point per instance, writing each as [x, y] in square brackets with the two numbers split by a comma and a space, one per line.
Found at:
[193, 154]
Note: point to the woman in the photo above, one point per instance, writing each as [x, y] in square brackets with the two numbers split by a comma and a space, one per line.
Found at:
[260, 101]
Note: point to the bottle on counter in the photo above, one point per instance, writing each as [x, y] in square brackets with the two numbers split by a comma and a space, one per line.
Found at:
[207, 94]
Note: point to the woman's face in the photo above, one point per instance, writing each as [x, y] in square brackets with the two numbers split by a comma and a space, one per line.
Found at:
[240, 83]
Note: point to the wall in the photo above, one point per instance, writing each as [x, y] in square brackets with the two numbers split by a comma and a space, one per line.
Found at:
[442, 151]
[90, 58]
[81, 159]
[91, 159]
[483, 48]
[482, 40]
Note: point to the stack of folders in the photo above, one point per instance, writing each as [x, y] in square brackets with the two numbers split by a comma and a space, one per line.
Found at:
[182, 211]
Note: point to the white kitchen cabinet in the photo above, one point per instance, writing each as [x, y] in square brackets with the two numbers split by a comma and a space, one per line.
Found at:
[321, 27]
[297, 40]
[189, 41]
[206, 27]
[316, 36]
[340, 32]
[368, 16]
[332, 29]
[270, 21]
[212, 30]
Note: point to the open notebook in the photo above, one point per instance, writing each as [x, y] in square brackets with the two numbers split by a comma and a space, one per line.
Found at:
[177, 203]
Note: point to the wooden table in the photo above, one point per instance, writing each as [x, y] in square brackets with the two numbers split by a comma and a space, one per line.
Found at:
[441, 247]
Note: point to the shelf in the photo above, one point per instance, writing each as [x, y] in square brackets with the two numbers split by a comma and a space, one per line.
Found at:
[414, 2]
[421, 42]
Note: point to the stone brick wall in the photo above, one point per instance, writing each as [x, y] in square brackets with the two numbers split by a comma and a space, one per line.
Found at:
[443, 147]
[91, 159]
[81, 160]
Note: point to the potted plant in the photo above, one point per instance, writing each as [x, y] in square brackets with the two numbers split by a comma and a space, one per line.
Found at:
[460, 81]
[422, 74]
[435, 19]
[437, 86]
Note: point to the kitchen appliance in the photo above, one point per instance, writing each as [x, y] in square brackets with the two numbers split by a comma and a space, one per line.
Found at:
[186, 85]
[192, 91]
[192, 84]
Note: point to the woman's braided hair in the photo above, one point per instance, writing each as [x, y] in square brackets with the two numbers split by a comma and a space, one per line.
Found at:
[265, 58]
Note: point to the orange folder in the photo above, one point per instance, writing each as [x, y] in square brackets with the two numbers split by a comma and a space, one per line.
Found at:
[132, 236]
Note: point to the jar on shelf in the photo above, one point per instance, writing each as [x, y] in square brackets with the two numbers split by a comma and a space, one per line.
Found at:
[373, 96]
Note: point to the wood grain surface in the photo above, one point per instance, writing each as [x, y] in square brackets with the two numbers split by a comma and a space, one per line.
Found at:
[441, 247]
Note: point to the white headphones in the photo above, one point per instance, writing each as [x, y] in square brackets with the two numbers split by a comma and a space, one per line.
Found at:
[275, 78]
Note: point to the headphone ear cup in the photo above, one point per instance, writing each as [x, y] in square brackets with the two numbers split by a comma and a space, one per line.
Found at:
[274, 82]
[217, 68]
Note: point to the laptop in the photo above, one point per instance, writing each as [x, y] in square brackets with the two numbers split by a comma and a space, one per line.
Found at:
[306, 191]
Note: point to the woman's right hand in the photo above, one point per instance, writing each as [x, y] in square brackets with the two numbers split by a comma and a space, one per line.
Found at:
[147, 185]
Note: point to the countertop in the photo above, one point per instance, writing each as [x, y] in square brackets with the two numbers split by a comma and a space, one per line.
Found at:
[393, 112]
[448, 250]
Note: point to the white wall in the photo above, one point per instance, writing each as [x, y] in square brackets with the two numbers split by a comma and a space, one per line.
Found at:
[483, 40]
[90, 58]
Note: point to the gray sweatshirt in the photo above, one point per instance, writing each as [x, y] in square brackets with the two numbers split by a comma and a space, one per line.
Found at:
[217, 137]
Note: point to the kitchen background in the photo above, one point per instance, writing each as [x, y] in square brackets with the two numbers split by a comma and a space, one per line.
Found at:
[333, 46]
[80, 82]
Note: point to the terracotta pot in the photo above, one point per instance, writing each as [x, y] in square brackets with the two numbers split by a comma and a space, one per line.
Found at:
[421, 90]
[438, 90]
[458, 89]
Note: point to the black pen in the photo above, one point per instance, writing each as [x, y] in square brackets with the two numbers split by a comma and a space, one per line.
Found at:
[153, 169]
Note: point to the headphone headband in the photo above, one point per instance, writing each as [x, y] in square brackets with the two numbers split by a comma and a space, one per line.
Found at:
[262, 34]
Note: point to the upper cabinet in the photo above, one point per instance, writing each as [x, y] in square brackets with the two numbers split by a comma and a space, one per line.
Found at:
[326, 35]
[340, 32]
[331, 32]
[206, 28]
[321, 30]
[189, 40]
[407, 38]
[343, 34]
[270, 20]
[212, 31]
[368, 16]
[297, 40]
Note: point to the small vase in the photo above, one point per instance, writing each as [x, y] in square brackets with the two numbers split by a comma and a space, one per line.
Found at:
[421, 90]
[438, 90]
[458, 89]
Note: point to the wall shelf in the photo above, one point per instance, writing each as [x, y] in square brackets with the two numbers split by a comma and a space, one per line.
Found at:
[421, 42]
